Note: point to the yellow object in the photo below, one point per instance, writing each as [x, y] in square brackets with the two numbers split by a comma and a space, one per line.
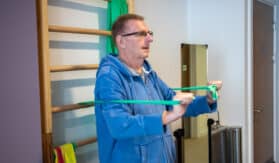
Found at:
[64, 154]
[68, 153]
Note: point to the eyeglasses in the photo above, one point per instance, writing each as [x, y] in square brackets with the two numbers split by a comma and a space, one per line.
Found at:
[139, 33]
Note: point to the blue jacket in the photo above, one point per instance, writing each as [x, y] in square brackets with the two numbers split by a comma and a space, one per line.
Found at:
[134, 133]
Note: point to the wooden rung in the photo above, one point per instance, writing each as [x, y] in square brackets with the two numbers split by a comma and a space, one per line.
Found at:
[64, 108]
[55, 28]
[86, 141]
[73, 67]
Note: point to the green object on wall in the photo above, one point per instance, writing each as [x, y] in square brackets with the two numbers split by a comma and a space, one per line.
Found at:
[114, 10]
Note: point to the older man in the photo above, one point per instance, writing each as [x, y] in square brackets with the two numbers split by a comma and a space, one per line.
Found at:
[136, 133]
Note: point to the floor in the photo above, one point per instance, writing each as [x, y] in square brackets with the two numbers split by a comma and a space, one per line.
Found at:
[196, 150]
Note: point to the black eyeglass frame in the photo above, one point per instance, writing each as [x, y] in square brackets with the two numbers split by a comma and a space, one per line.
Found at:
[138, 33]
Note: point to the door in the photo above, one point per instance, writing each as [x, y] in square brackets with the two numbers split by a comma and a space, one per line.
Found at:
[263, 82]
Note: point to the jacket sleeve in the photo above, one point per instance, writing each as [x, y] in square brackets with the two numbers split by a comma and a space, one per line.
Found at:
[119, 118]
[200, 106]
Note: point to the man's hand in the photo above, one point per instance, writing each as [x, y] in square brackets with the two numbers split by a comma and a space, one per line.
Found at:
[219, 84]
[178, 110]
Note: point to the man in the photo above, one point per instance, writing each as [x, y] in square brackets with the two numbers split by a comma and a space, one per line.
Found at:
[135, 133]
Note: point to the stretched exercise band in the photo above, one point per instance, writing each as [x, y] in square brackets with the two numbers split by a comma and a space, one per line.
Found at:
[211, 88]
[154, 102]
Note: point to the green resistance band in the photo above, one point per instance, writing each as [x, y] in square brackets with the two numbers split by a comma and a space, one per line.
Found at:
[153, 102]
[211, 88]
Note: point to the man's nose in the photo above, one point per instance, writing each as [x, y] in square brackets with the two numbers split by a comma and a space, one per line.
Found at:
[149, 37]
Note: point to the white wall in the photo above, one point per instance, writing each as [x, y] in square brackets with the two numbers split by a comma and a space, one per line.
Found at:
[224, 33]
[225, 27]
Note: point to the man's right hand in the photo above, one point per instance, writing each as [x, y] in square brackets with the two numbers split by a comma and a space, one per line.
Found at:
[178, 110]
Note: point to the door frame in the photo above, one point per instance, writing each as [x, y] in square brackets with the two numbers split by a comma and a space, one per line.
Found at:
[276, 85]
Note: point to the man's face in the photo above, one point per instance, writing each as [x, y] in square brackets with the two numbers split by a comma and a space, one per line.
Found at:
[136, 39]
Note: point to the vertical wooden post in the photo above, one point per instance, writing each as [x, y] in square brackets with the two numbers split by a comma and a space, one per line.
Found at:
[131, 7]
[45, 85]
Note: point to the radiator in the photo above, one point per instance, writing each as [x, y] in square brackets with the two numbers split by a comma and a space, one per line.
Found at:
[225, 144]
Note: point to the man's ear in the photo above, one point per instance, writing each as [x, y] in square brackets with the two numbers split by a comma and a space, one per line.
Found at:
[120, 41]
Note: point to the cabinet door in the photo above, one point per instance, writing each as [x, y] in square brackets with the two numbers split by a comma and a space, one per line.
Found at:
[194, 73]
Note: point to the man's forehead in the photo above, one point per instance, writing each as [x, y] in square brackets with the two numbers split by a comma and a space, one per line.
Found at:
[136, 24]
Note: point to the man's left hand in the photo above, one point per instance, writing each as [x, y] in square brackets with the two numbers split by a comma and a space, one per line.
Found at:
[219, 84]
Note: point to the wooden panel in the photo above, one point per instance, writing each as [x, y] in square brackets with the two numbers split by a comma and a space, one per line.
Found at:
[64, 108]
[45, 88]
[185, 63]
[131, 8]
[55, 28]
[47, 148]
[73, 67]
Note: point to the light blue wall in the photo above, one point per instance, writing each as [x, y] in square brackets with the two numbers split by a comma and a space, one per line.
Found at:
[76, 86]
